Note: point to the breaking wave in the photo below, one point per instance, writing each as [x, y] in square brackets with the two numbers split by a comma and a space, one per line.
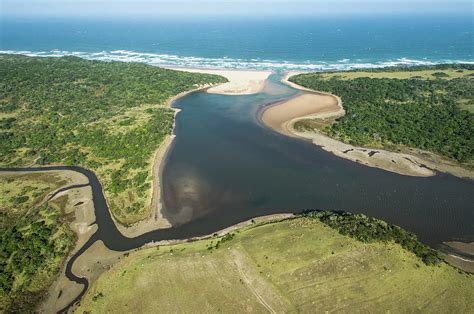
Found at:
[167, 60]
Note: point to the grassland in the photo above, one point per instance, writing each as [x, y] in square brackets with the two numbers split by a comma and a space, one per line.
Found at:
[34, 236]
[110, 117]
[427, 108]
[296, 265]
[434, 74]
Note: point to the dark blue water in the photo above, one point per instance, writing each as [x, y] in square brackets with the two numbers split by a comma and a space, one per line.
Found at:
[304, 43]
[225, 167]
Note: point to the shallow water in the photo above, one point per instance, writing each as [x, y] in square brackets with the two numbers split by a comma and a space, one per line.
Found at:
[225, 167]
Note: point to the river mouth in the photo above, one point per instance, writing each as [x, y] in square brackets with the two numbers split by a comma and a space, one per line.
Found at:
[225, 167]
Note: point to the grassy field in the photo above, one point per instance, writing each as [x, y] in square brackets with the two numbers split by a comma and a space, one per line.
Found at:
[292, 265]
[34, 237]
[422, 74]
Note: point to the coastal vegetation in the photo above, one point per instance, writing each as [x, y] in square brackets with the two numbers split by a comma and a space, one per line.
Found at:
[298, 264]
[428, 108]
[368, 229]
[35, 239]
[109, 117]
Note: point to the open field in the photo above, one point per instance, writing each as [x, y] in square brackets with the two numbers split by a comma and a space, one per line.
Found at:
[422, 74]
[292, 265]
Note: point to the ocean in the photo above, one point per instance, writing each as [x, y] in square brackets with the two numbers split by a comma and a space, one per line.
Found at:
[318, 43]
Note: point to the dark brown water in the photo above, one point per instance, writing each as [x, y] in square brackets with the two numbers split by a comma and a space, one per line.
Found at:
[226, 167]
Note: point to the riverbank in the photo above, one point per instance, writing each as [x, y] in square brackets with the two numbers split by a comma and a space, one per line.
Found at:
[69, 195]
[327, 107]
[241, 82]
[292, 265]
[98, 260]
[80, 205]
[155, 219]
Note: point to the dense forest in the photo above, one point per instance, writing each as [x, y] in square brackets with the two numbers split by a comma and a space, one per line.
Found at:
[34, 240]
[109, 117]
[415, 112]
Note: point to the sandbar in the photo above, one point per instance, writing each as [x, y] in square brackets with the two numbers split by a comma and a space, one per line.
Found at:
[241, 82]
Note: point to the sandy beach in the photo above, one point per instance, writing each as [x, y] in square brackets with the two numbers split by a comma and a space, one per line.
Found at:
[241, 82]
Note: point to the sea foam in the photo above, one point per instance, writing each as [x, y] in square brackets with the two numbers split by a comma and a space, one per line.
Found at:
[168, 60]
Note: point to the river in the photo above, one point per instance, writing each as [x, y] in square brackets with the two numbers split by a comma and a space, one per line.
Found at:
[224, 167]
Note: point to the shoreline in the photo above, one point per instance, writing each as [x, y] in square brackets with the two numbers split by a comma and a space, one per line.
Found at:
[155, 218]
[240, 82]
[397, 162]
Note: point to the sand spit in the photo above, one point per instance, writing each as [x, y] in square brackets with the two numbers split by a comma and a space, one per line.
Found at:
[230, 229]
[311, 105]
[281, 116]
[241, 82]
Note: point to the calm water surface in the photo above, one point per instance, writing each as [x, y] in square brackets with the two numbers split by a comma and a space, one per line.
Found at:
[226, 167]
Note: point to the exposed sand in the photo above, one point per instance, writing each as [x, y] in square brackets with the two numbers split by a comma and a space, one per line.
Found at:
[222, 232]
[79, 202]
[282, 116]
[460, 254]
[241, 82]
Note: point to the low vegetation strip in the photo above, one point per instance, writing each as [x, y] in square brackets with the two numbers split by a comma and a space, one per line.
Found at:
[367, 229]
[109, 117]
[429, 114]
[295, 265]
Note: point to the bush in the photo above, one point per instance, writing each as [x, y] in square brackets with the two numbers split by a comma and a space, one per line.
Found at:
[412, 112]
[366, 229]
